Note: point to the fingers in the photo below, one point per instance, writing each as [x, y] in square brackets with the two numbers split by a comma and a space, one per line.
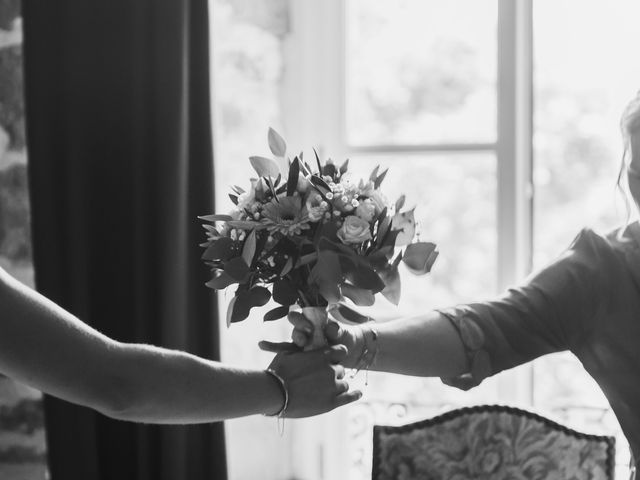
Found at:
[340, 372]
[303, 328]
[348, 397]
[342, 387]
[278, 347]
[332, 332]
[336, 353]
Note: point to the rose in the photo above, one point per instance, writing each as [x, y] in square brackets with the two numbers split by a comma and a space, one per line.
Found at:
[366, 210]
[354, 230]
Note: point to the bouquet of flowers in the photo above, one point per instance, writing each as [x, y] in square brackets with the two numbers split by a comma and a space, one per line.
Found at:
[311, 237]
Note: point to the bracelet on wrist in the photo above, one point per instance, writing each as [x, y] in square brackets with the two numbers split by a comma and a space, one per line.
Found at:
[285, 393]
[369, 350]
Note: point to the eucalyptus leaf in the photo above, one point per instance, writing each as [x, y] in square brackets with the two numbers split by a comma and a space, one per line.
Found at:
[249, 248]
[400, 202]
[363, 277]
[230, 308]
[276, 313]
[327, 275]
[359, 296]
[392, 289]
[406, 223]
[277, 145]
[343, 313]
[265, 167]
[237, 268]
[221, 249]
[220, 281]
[420, 257]
[285, 292]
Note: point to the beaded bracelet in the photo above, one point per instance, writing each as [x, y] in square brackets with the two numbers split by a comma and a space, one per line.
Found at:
[285, 393]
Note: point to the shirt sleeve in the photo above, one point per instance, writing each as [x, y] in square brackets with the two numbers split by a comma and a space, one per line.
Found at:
[553, 310]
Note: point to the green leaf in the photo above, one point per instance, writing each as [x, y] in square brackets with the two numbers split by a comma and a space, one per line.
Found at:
[249, 248]
[363, 277]
[344, 167]
[285, 292]
[288, 266]
[400, 202]
[230, 308]
[329, 169]
[246, 225]
[419, 257]
[234, 199]
[265, 167]
[374, 174]
[294, 173]
[346, 314]
[221, 249]
[221, 280]
[237, 268]
[276, 313]
[379, 259]
[318, 162]
[406, 223]
[216, 218]
[379, 179]
[392, 289]
[246, 300]
[277, 145]
[359, 296]
[319, 182]
[327, 275]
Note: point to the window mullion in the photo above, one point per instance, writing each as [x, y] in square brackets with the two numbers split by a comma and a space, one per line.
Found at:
[514, 157]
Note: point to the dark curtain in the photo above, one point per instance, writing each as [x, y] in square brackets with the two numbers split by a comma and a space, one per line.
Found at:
[120, 160]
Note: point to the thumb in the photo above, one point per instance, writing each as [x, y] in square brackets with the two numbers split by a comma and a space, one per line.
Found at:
[333, 332]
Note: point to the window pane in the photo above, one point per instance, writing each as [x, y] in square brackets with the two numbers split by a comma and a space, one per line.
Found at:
[247, 41]
[22, 435]
[582, 82]
[456, 208]
[421, 71]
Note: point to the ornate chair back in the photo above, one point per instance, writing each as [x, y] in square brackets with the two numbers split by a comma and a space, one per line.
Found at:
[491, 442]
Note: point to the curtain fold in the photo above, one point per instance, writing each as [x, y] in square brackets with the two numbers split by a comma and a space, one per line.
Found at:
[120, 165]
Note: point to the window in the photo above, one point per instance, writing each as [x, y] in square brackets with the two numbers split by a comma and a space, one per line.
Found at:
[22, 441]
[497, 146]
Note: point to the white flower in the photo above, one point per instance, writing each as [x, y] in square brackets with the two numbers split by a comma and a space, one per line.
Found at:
[378, 199]
[246, 199]
[354, 230]
[366, 210]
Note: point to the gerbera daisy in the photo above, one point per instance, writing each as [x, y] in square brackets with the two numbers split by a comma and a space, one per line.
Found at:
[286, 216]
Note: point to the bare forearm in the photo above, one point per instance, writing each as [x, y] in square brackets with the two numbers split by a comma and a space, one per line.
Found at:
[47, 348]
[166, 386]
[426, 346]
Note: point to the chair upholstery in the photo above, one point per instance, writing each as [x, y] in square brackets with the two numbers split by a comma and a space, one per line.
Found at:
[490, 442]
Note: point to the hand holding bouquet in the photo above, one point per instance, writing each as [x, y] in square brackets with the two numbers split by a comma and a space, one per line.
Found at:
[311, 237]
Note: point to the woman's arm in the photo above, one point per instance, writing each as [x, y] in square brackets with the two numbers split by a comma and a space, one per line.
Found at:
[427, 345]
[553, 310]
[47, 348]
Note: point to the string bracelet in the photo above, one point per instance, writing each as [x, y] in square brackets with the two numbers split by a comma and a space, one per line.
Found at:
[369, 351]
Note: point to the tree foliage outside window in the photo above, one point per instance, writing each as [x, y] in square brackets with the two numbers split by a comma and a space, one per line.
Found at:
[22, 441]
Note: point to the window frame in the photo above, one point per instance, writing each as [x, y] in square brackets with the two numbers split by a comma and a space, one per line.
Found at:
[314, 112]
